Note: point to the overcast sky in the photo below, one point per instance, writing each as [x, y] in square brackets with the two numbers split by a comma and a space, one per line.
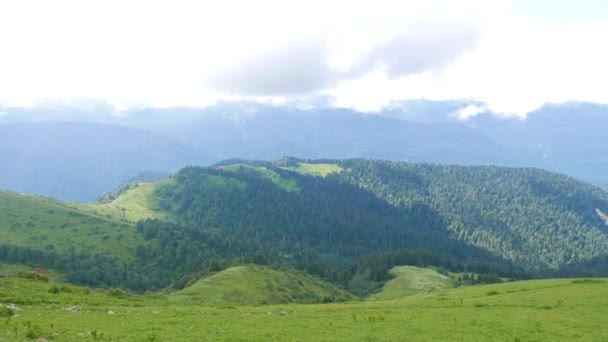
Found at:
[511, 55]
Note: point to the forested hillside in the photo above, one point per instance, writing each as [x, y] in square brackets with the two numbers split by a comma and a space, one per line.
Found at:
[346, 221]
[532, 217]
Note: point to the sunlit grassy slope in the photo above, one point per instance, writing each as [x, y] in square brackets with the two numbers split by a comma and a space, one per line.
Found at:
[135, 204]
[411, 280]
[255, 285]
[315, 169]
[540, 310]
[42, 223]
[285, 183]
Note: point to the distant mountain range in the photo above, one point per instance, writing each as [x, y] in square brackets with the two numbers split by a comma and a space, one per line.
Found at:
[80, 161]
[90, 150]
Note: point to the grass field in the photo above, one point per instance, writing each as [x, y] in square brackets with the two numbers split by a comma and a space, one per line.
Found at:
[321, 170]
[255, 285]
[411, 280]
[43, 223]
[134, 205]
[540, 310]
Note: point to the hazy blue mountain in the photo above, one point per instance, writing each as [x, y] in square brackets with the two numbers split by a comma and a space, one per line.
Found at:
[268, 132]
[80, 161]
[569, 138]
[427, 111]
[74, 111]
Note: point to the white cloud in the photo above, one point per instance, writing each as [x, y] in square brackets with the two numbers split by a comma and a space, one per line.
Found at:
[164, 53]
[469, 112]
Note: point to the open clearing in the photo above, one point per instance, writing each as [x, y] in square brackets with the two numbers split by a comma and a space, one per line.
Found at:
[539, 310]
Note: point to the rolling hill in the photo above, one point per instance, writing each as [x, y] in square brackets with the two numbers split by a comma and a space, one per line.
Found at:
[256, 285]
[50, 225]
[411, 280]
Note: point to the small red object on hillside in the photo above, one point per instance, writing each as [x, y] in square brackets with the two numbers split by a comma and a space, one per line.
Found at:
[39, 270]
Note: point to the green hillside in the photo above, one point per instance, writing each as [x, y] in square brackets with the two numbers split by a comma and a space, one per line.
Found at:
[256, 285]
[349, 227]
[314, 169]
[411, 280]
[529, 216]
[136, 203]
[286, 183]
[539, 310]
[50, 225]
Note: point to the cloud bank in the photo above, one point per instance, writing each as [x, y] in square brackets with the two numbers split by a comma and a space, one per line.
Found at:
[361, 54]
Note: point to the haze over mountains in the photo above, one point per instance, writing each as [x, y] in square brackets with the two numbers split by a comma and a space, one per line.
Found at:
[98, 150]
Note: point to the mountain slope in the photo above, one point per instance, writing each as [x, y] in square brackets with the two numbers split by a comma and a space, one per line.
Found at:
[529, 216]
[534, 218]
[49, 225]
[321, 216]
[80, 161]
[255, 131]
[255, 285]
[346, 221]
[567, 138]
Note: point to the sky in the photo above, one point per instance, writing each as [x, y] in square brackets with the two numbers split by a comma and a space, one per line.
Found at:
[511, 56]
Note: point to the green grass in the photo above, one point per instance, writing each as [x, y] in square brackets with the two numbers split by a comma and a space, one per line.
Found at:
[314, 169]
[540, 310]
[411, 280]
[255, 285]
[134, 205]
[43, 223]
[285, 183]
[11, 270]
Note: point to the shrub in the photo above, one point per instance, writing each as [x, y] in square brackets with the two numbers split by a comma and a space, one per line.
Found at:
[54, 289]
[33, 276]
[65, 288]
[117, 292]
[6, 312]
[587, 281]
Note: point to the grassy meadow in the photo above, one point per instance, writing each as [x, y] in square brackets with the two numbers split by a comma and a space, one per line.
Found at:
[538, 310]
[251, 284]
[43, 223]
[412, 280]
[315, 169]
[133, 205]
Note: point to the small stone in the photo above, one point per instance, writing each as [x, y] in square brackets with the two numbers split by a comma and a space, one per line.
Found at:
[283, 313]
